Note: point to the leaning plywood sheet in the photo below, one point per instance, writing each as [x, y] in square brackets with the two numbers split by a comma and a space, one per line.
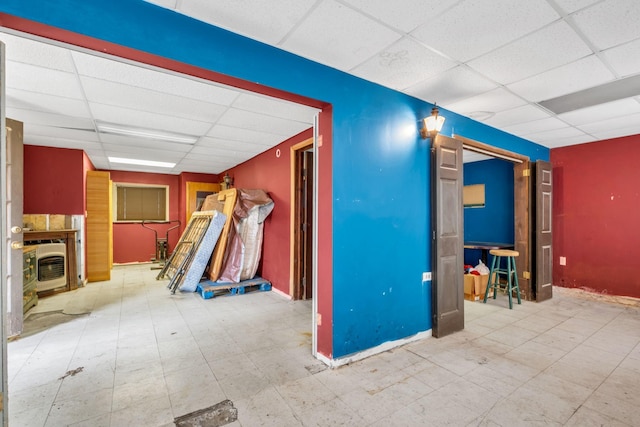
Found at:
[202, 253]
[228, 197]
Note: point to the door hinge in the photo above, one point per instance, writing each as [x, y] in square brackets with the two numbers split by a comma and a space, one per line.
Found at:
[1, 402]
[526, 275]
[526, 172]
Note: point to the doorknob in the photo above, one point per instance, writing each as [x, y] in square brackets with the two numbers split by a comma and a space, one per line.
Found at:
[16, 229]
[16, 245]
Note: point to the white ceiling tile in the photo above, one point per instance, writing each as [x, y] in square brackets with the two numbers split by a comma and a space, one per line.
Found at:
[556, 134]
[570, 6]
[572, 140]
[51, 141]
[535, 126]
[266, 21]
[337, 35]
[228, 148]
[139, 153]
[145, 120]
[523, 114]
[451, 86]
[631, 129]
[33, 52]
[543, 50]
[261, 122]
[474, 27]
[60, 132]
[119, 142]
[624, 59]
[32, 78]
[141, 99]
[51, 120]
[275, 107]
[244, 135]
[26, 100]
[598, 113]
[113, 69]
[581, 74]
[493, 101]
[612, 124]
[403, 64]
[610, 23]
[405, 16]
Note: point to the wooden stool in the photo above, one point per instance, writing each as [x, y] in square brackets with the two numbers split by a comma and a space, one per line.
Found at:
[497, 270]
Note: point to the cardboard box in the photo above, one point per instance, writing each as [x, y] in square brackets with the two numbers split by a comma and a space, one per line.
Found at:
[474, 286]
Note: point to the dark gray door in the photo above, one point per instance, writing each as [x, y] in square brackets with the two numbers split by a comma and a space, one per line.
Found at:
[544, 252]
[523, 227]
[448, 237]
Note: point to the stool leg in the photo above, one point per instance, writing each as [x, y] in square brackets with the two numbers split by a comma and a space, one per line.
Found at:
[509, 271]
[515, 275]
[490, 284]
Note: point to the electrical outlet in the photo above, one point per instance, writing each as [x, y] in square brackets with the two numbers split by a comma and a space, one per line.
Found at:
[426, 276]
[563, 260]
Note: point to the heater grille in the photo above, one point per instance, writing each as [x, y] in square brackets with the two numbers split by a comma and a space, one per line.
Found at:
[51, 265]
[50, 268]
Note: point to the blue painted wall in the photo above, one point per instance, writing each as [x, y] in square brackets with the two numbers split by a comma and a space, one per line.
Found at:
[381, 231]
[494, 222]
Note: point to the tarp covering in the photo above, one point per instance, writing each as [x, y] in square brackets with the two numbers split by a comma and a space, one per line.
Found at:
[244, 248]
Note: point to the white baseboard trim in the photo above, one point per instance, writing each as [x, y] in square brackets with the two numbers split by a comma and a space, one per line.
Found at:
[279, 292]
[354, 357]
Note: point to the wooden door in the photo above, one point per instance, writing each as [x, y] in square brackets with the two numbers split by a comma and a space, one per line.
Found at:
[5, 247]
[302, 179]
[306, 225]
[14, 242]
[543, 231]
[523, 227]
[448, 237]
[99, 226]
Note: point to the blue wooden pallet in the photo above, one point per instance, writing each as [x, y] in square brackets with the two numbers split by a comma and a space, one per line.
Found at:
[208, 289]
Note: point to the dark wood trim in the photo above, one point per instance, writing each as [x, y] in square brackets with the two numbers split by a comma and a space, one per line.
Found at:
[481, 147]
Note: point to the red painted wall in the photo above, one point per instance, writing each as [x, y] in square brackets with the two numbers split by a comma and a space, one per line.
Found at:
[134, 243]
[325, 229]
[595, 216]
[53, 181]
[272, 174]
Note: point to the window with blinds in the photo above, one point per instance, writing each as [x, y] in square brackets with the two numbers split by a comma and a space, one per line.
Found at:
[140, 202]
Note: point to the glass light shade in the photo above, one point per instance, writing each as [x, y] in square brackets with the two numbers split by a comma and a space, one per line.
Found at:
[434, 123]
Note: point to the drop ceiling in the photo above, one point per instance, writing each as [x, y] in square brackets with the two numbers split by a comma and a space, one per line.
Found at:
[496, 61]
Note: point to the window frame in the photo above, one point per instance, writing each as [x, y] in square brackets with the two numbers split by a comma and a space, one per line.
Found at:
[117, 185]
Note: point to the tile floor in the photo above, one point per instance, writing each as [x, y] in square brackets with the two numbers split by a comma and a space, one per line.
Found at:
[148, 357]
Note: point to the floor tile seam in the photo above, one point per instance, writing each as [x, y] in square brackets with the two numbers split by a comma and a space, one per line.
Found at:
[49, 414]
[285, 399]
[586, 405]
[69, 368]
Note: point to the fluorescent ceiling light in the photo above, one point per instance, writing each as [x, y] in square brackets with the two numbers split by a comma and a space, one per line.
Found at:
[115, 129]
[141, 162]
[612, 91]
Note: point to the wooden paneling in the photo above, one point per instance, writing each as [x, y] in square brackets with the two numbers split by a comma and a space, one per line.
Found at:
[229, 198]
[99, 227]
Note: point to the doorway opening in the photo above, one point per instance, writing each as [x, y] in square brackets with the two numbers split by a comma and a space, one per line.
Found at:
[302, 208]
[521, 199]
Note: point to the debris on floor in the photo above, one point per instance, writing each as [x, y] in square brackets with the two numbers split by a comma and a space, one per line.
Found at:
[220, 414]
[72, 372]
